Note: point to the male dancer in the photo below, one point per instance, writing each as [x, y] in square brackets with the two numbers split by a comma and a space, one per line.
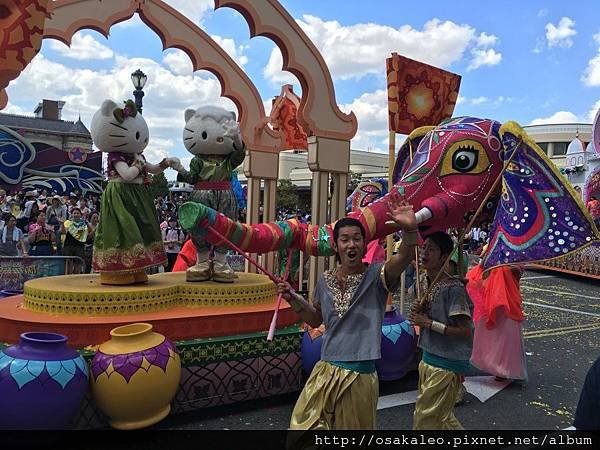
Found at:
[342, 390]
[446, 339]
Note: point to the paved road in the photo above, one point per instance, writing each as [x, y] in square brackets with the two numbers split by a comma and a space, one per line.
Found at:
[562, 339]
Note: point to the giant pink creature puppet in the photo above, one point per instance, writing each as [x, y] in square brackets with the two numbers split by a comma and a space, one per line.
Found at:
[453, 167]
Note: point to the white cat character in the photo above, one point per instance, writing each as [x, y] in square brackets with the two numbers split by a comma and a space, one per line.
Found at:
[213, 136]
[128, 238]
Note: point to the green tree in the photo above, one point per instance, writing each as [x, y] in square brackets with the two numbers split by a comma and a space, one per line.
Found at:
[287, 195]
[159, 185]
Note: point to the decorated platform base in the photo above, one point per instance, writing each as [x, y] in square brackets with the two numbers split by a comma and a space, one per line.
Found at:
[219, 331]
[225, 370]
[81, 308]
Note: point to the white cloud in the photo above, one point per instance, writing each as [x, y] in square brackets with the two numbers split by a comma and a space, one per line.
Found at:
[192, 9]
[591, 75]
[591, 115]
[178, 62]
[268, 105]
[472, 100]
[479, 100]
[483, 57]
[486, 40]
[372, 114]
[481, 105]
[273, 71]
[83, 47]
[233, 50]
[557, 117]
[159, 148]
[438, 43]
[16, 109]
[168, 95]
[133, 22]
[560, 35]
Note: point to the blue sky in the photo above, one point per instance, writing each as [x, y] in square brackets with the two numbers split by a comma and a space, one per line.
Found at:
[529, 61]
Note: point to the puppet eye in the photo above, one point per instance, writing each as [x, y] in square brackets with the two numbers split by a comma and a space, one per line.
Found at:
[466, 157]
[464, 160]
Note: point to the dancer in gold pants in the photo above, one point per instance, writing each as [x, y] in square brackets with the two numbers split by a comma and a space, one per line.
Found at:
[350, 299]
[446, 338]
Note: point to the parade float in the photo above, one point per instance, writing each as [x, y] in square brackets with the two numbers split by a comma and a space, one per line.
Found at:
[205, 343]
[218, 330]
[582, 168]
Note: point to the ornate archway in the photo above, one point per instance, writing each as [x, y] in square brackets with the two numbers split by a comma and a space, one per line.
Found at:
[330, 130]
[175, 31]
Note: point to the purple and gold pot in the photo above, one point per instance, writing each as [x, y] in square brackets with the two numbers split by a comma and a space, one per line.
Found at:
[135, 376]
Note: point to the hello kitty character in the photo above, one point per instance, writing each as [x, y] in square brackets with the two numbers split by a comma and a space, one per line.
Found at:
[213, 136]
[128, 238]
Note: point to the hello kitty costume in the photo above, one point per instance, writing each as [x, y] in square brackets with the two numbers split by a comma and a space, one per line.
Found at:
[128, 238]
[213, 136]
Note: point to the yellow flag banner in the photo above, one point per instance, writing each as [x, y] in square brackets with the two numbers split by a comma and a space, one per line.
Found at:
[418, 94]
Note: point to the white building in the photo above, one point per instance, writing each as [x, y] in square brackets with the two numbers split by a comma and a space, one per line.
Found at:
[554, 139]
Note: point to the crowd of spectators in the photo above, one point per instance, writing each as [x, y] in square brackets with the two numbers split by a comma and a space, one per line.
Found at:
[43, 223]
[293, 213]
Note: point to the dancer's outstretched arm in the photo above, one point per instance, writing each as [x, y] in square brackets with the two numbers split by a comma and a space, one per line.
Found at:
[402, 214]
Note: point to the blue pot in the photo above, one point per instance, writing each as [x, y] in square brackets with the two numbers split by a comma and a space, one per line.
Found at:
[42, 382]
[398, 345]
[310, 350]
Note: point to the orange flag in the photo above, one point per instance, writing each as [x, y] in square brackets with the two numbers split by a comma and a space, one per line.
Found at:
[418, 94]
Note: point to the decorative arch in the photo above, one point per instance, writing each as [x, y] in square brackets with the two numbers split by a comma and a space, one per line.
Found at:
[175, 31]
[318, 112]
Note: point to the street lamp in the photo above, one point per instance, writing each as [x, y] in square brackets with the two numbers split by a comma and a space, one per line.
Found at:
[138, 78]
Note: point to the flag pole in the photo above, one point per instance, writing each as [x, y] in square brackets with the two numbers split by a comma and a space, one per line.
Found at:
[390, 237]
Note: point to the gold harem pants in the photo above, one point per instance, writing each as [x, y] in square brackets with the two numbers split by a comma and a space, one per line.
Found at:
[438, 391]
[337, 399]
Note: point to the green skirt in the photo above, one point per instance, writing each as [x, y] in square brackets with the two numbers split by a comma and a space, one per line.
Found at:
[128, 237]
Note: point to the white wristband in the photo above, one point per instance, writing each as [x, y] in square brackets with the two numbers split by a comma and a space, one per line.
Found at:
[438, 327]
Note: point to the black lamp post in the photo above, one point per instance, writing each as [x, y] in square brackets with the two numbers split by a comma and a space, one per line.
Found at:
[139, 80]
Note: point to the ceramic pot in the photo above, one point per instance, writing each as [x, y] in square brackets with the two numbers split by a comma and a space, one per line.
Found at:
[135, 376]
[398, 344]
[310, 347]
[42, 382]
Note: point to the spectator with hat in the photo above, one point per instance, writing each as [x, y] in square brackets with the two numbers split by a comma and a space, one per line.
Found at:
[73, 202]
[3, 202]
